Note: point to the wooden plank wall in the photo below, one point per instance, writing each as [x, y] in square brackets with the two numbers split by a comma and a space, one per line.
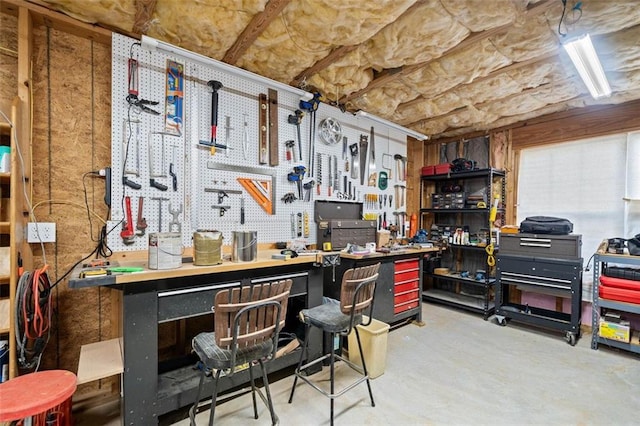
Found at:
[71, 137]
[71, 97]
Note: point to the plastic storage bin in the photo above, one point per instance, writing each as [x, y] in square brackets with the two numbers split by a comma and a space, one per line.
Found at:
[374, 346]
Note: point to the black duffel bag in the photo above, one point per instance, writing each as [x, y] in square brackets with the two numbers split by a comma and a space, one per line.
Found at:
[546, 225]
[633, 244]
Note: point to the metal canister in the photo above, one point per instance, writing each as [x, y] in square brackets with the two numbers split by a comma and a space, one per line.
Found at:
[207, 247]
[165, 250]
[245, 246]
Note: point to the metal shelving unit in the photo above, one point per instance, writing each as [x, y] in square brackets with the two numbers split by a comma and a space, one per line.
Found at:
[453, 289]
[601, 258]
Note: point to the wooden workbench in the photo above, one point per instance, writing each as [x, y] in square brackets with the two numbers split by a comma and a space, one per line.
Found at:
[151, 297]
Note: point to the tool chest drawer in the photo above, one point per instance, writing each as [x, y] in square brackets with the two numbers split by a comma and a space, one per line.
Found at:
[538, 245]
[404, 287]
[406, 265]
[405, 306]
[188, 302]
[528, 271]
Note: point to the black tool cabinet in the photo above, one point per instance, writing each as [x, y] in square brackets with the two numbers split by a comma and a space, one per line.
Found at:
[444, 209]
[547, 264]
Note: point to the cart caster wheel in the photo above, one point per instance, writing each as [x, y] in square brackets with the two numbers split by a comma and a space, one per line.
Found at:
[570, 338]
[502, 321]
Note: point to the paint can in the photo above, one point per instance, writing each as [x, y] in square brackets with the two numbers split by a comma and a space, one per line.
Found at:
[245, 246]
[165, 250]
[207, 247]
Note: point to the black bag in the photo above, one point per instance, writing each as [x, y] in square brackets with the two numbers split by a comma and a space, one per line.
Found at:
[462, 165]
[546, 225]
[633, 244]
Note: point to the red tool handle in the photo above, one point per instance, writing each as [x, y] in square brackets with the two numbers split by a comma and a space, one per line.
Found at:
[127, 230]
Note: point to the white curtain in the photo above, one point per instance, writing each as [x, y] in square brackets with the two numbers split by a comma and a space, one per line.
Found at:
[583, 181]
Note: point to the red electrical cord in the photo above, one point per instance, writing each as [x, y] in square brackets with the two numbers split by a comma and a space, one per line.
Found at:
[36, 308]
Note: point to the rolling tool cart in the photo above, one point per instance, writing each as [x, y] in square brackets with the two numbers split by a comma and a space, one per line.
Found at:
[546, 264]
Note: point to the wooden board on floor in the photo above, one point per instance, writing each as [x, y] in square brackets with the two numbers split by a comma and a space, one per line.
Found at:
[100, 360]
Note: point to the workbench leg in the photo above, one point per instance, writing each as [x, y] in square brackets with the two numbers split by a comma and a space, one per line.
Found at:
[140, 341]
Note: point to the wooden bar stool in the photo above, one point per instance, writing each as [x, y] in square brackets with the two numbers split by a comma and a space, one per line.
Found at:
[44, 395]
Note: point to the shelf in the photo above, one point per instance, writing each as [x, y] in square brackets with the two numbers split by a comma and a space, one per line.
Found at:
[622, 306]
[5, 227]
[475, 303]
[5, 177]
[465, 210]
[4, 316]
[616, 344]
[100, 360]
[480, 173]
[458, 278]
[464, 247]
[5, 128]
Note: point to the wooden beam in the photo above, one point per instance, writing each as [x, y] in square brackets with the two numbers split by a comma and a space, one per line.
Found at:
[56, 20]
[258, 24]
[144, 12]
[597, 120]
[335, 55]
[471, 40]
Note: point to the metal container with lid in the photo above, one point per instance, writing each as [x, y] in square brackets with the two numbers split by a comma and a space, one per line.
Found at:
[207, 247]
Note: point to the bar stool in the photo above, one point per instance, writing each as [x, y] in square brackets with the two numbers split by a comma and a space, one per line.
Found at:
[44, 395]
[356, 298]
[247, 323]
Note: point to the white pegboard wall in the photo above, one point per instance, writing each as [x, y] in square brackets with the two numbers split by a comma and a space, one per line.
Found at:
[238, 100]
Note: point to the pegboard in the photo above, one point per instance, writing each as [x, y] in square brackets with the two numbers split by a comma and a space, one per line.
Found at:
[201, 175]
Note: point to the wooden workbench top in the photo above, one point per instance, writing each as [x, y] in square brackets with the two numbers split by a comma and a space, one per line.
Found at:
[400, 252]
[263, 260]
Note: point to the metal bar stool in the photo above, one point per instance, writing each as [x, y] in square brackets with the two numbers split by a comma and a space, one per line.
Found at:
[45, 396]
[356, 298]
[248, 321]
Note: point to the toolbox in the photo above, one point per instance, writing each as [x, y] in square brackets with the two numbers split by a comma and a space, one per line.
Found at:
[535, 245]
[340, 232]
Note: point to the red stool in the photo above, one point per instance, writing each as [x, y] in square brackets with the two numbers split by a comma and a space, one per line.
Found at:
[39, 395]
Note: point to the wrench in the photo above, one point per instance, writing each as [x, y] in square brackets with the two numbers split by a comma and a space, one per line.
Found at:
[175, 222]
[141, 225]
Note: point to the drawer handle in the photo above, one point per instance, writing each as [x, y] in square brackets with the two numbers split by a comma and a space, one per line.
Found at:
[545, 245]
[280, 277]
[535, 283]
[196, 289]
[535, 277]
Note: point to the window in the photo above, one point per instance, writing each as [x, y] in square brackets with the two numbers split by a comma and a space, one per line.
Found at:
[583, 181]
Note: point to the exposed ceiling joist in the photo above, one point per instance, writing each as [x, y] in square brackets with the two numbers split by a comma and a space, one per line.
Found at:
[252, 31]
[144, 12]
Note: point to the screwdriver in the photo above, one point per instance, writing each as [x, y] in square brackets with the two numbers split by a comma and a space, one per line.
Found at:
[242, 211]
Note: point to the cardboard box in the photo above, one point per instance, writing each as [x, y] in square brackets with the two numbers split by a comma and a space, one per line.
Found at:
[383, 237]
[615, 331]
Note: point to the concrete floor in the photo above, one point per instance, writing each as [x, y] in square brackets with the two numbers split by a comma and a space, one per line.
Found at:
[456, 370]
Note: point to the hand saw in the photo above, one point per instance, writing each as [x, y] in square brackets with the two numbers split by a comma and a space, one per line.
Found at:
[364, 143]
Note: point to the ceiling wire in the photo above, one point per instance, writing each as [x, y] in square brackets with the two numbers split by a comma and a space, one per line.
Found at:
[576, 11]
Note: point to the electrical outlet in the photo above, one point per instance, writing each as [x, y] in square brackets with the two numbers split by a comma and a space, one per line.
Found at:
[41, 232]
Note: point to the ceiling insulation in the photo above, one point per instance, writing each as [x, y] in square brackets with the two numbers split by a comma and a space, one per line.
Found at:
[440, 67]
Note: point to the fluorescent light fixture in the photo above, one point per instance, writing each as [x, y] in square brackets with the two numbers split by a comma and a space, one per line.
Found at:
[585, 59]
[153, 44]
[393, 125]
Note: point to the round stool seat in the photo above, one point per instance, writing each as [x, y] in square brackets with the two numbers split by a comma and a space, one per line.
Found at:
[35, 393]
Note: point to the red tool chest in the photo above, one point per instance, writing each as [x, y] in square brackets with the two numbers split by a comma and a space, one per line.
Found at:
[406, 291]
